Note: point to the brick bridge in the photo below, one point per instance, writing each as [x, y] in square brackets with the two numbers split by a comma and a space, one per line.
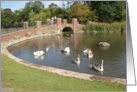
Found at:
[49, 28]
[60, 25]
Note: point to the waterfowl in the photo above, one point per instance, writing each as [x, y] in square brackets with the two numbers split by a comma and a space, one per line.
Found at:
[86, 51]
[77, 60]
[90, 55]
[38, 53]
[47, 49]
[65, 50]
[97, 67]
[39, 57]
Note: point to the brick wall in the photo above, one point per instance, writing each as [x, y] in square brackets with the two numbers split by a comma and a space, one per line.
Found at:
[20, 33]
[50, 29]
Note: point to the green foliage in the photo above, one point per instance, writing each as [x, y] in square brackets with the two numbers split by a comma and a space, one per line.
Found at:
[7, 16]
[37, 6]
[106, 27]
[86, 28]
[47, 12]
[99, 27]
[53, 8]
[97, 11]
[4, 20]
[36, 17]
[108, 11]
[80, 11]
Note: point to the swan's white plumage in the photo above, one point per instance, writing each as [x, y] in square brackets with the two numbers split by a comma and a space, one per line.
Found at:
[38, 53]
[98, 67]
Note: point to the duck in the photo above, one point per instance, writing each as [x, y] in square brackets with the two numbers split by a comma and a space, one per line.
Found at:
[65, 50]
[86, 51]
[98, 67]
[77, 60]
[47, 49]
[38, 53]
[90, 55]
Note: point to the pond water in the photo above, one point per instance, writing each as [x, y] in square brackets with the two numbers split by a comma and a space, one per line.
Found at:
[114, 57]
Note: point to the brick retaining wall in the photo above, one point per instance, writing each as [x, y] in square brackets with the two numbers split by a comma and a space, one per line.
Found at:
[50, 29]
[22, 33]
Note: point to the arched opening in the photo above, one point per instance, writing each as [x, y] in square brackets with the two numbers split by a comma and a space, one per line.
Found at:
[67, 29]
[67, 32]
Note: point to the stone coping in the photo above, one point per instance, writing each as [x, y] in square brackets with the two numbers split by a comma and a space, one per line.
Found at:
[5, 45]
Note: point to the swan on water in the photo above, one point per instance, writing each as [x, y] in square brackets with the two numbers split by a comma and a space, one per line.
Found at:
[97, 66]
[77, 60]
[47, 49]
[90, 55]
[65, 50]
[38, 53]
[86, 51]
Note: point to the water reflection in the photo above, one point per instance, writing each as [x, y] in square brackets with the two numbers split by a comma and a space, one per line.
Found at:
[39, 57]
[114, 56]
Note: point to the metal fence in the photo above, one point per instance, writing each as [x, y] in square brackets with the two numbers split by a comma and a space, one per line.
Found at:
[13, 28]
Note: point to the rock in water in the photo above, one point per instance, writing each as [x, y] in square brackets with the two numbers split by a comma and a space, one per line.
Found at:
[104, 44]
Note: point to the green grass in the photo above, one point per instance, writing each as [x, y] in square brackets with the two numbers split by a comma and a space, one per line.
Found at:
[109, 27]
[23, 78]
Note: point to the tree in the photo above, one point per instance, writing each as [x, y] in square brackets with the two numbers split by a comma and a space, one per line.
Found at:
[53, 8]
[37, 6]
[108, 11]
[17, 15]
[47, 12]
[79, 10]
[120, 11]
[36, 17]
[4, 20]
[8, 15]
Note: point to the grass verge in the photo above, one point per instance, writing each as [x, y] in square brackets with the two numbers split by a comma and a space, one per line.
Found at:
[23, 78]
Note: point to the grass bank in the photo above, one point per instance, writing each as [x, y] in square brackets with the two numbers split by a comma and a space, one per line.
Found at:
[105, 27]
[23, 78]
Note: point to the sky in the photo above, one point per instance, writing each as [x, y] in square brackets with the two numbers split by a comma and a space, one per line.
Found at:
[17, 5]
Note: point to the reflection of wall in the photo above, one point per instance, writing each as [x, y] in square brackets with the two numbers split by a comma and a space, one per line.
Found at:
[77, 38]
[59, 41]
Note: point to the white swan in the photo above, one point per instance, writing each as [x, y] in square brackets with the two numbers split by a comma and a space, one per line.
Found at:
[65, 50]
[38, 53]
[86, 51]
[90, 55]
[97, 67]
[47, 49]
[77, 60]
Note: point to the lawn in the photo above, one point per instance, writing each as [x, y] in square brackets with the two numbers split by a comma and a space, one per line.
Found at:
[23, 78]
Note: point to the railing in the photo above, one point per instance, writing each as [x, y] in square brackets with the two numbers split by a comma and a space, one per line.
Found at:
[11, 28]
[15, 27]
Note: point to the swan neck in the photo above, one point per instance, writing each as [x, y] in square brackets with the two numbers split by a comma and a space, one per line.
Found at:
[102, 65]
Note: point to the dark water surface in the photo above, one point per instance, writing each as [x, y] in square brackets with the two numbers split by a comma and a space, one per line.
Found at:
[114, 57]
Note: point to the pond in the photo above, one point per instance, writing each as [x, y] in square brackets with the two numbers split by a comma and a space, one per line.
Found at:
[114, 56]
